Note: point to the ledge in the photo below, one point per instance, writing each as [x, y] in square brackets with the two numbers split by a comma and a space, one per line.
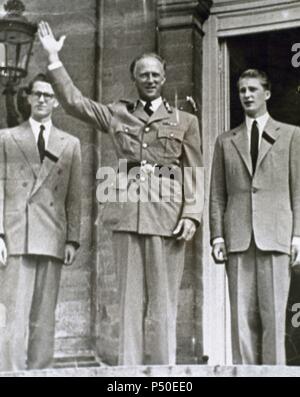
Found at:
[174, 14]
[164, 371]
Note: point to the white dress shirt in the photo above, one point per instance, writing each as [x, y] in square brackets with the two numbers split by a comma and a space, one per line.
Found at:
[155, 104]
[35, 127]
[261, 123]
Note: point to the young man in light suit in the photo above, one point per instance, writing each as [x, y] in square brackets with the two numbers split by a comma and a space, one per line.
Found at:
[40, 176]
[255, 222]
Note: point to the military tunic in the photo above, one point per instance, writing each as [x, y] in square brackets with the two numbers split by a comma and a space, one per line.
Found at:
[168, 140]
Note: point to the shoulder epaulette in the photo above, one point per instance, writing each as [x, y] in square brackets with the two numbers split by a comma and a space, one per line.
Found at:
[131, 106]
[167, 106]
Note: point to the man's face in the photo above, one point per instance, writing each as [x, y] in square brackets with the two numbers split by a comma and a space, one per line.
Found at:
[42, 100]
[253, 97]
[149, 78]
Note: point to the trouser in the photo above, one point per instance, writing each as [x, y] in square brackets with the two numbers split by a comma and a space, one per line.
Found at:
[28, 295]
[258, 289]
[150, 270]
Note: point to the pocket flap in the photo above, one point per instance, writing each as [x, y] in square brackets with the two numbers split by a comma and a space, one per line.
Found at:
[171, 133]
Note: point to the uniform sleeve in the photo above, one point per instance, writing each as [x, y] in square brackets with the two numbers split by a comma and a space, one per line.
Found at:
[73, 199]
[193, 173]
[218, 193]
[295, 180]
[77, 105]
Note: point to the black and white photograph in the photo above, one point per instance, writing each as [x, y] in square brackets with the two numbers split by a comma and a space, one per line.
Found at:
[149, 190]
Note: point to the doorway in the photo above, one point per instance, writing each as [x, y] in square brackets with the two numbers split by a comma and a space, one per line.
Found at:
[239, 35]
[271, 52]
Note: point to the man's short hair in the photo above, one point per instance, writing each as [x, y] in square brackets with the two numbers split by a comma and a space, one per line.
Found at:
[146, 55]
[256, 74]
[39, 77]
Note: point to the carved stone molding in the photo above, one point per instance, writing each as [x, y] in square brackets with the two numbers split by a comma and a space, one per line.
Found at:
[177, 14]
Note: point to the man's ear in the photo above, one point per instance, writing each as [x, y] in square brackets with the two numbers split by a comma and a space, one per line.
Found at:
[267, 95]
[56, 103]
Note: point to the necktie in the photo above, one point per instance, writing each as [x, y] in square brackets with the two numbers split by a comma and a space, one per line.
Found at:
[148, 109]
[41, 143]
[254, 144]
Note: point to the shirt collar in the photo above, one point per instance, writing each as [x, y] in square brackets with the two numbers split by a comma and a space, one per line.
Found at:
[155, 104]
[261, 121]
[35, 126]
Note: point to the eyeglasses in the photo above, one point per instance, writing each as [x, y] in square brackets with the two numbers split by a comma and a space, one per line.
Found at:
[38, 94]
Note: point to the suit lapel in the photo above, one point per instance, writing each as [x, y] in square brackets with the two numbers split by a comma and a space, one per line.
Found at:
[55, 147]
[270, 134]
[240, 141]
[24, 138]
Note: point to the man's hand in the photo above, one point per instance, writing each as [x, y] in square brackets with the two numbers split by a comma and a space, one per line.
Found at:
[48, 41]
[295, 257]
[3, 252]
[70, 253]
[185, 229]
[219, 253]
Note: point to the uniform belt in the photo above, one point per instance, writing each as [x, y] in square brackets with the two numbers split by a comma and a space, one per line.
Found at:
[156, 169]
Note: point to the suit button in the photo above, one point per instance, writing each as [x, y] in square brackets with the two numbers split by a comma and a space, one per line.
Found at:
[145, 145]
[24, 184]
[51, 204]
[147, 129]
[56, 188]
[254, 189]
[59, 171]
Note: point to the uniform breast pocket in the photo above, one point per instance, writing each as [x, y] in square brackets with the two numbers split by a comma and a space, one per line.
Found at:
[171, 141]
[126, 139]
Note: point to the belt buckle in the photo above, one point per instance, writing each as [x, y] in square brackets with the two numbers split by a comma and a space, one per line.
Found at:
[147, 168]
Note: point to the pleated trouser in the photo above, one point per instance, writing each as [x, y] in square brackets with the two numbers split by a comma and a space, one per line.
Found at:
[29, 287]
[258, 289]
[150, 270]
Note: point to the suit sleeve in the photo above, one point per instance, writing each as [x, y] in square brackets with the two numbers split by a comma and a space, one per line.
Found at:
[77, 105]
[218, 193]
[295, 180]
[73, 199]
[193, 173]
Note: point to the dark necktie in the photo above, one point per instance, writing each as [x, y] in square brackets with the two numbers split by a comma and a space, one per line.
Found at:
[41, 143]
[148, 109]
[254, 144]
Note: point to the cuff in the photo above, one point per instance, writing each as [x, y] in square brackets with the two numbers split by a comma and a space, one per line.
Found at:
[55, 65]
[296, 240]
[218, 240]
[74, 243]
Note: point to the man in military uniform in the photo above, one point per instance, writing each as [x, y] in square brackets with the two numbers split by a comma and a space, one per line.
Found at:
[149, 235]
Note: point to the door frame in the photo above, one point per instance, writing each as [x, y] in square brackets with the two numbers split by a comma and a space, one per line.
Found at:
[227, 19]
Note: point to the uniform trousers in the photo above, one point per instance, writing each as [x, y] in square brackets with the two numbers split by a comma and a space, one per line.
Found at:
[258, 290]
[29, 287]
[150, 270]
